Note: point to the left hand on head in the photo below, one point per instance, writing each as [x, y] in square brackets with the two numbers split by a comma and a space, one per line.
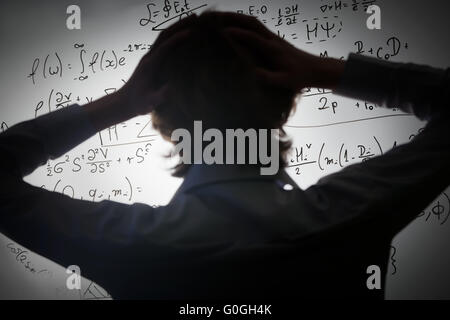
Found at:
[140, 93]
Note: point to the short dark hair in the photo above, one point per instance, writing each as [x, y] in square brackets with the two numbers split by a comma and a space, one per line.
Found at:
[209, 80]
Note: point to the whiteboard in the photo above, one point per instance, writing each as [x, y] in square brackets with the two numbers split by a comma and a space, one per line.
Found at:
[45, 66]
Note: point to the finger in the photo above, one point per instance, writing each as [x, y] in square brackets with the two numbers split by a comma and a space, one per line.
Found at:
[243, 52]
[247, 35]
[156, 54]
[155, 97]
[251, 39]
[182, 24]
[273, 78]
[252, 47]
[246, 22]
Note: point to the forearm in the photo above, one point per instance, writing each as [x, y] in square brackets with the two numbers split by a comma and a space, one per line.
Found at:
[96, 236]
[31, 143]
[395, 187]
[328, 74]
[417, 89]
[109, 110]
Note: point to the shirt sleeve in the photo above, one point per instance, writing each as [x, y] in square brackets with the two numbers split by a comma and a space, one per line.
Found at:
[31, 143]
[392, 189]
[103, 238]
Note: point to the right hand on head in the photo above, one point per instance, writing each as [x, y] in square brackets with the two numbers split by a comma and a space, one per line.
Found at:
[289, 67]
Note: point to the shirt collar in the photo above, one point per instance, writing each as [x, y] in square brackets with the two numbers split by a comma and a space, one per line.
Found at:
[203, 174]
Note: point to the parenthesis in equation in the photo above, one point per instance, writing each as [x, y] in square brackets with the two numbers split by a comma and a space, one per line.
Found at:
[101, 60]
[56, 185]
[131, 188]
[115, 57]
[320, 156]
[378, 144]
[60, 64]
[64, 189]
[340, 155]
[45, 67]
[50, 99]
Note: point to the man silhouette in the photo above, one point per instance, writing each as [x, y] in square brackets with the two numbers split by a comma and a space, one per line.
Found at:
[230, 232]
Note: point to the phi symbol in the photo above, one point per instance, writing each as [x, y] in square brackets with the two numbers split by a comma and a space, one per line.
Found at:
[74, 279]
[74, 19]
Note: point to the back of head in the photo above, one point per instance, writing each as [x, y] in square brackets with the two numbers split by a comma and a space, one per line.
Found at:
[211, 81]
